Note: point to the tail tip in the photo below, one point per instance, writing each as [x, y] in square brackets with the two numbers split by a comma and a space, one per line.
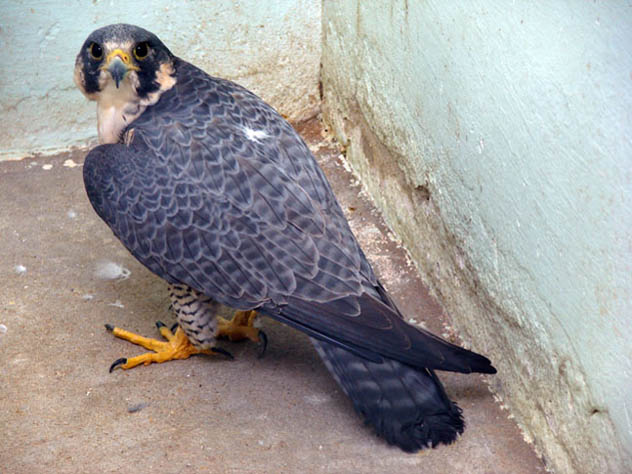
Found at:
[426, 430]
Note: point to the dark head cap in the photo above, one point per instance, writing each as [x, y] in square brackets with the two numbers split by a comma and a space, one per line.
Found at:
[119, 51]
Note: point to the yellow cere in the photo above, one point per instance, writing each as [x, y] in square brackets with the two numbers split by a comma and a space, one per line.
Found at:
[125, 57]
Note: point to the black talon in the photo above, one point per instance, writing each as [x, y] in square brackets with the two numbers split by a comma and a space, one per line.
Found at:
[174, 327]
[219, 350]
[118, 362]
[160, 324]
[110, 328]
[264, 343]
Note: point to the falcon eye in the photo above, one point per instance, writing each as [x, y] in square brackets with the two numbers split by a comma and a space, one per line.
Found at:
[96, 52]
[141, 50]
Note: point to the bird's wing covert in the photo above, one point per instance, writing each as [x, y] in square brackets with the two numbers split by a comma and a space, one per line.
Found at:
[217, 191]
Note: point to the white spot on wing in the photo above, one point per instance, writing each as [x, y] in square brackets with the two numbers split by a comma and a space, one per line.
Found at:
[255, 135]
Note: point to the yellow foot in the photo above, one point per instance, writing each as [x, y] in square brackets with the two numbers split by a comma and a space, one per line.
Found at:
[176, 346]
[242, 327]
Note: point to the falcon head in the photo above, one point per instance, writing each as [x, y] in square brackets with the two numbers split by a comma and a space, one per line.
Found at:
[124, 68]
[120, 56]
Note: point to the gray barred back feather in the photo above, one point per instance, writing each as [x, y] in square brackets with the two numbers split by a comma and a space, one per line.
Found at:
[214, 190]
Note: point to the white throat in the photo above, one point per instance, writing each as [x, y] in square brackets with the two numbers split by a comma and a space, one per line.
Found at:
[116, 109]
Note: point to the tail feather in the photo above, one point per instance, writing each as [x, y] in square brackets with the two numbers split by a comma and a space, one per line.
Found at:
[407, 406]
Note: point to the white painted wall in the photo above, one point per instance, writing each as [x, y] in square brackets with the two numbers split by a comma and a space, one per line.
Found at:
[273, 48]
[497, 139]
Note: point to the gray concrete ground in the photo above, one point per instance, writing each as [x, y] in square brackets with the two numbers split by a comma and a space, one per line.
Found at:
[61, 411]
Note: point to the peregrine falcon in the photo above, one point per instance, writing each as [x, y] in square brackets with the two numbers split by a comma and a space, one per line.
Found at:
[212, 190]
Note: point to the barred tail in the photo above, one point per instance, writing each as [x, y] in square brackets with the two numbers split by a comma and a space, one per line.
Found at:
[406, 405]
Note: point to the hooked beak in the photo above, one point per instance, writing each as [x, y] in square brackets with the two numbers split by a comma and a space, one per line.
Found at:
[118, 70]
[118, 63]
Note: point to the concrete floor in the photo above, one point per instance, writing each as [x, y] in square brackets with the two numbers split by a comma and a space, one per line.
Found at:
[61, 411]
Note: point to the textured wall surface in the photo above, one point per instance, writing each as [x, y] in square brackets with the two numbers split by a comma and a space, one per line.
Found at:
[497, 140]
[273, 48]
